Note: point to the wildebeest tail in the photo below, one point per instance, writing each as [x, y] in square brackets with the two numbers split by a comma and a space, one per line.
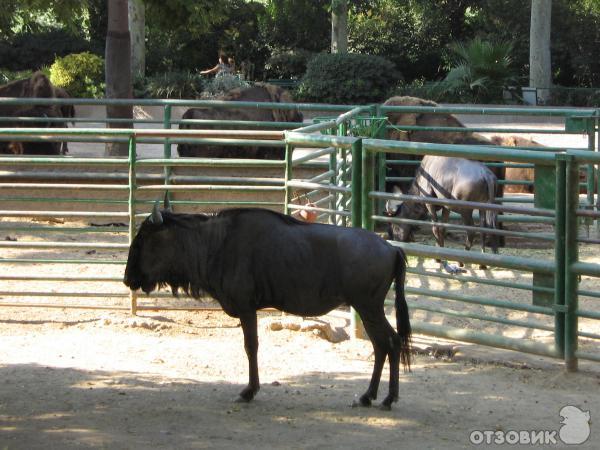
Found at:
[402, 317]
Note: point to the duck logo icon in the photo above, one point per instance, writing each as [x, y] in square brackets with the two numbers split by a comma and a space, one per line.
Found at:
[575, 425]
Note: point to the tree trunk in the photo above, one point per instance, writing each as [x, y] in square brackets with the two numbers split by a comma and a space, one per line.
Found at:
[118, 70]
[137, 28]
[339, 26]
[540, 67]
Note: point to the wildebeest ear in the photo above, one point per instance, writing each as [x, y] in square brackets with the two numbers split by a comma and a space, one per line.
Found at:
[167, 203]
[156, 217]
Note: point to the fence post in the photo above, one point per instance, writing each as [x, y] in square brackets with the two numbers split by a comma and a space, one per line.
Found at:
[368, 163]
[167, 146]
[131, 208]
[340, 174]
[357, 181]
[289, 151]
[571, 256]
[559, 255]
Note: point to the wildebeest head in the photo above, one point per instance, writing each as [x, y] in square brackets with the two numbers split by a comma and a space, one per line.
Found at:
[155, 253]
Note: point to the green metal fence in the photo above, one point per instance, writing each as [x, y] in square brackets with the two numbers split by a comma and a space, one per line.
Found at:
[542, 284]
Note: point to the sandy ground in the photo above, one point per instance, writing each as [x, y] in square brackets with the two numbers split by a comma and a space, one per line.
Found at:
[72, 380]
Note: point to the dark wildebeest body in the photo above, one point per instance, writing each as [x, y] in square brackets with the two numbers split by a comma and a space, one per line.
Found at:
[447, 178]
[249, 259]
[37, 86]
[260, 93]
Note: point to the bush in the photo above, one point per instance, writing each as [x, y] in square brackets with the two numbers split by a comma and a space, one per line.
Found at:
[80, 74]
[347, 79]
[30, 51]
[288, 64]
[183, 84]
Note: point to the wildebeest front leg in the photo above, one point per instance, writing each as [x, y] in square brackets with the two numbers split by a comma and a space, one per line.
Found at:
[248, 321]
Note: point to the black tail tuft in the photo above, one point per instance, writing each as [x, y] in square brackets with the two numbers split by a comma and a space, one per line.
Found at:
[402, 317]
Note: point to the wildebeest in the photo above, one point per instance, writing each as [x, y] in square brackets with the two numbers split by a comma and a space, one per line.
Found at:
[249, 259]
[37, 86]
[260, 92]
[447, 178]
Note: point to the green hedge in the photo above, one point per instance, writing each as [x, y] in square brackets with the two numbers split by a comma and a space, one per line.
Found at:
[347, 79]
[31, 51]
[80, 74]
[288, 64]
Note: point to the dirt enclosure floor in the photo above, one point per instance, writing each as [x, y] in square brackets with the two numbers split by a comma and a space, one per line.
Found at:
[88, 379]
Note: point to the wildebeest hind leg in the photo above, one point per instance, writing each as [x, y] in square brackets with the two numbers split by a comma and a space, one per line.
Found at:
[249, 326]
[385, 342]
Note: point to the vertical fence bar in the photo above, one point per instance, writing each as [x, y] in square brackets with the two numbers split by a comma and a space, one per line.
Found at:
[131, 208]
[167, 146]
[591, 179]
[356, 326]
[340, 177]
[559, 255]
[289, 151]
[571, 250]
[368, 163]
[333, 180]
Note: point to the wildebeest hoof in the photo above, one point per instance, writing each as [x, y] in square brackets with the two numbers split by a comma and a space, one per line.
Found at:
[385, 407]
[246, 395]
[483, 266]
[365, 401]
[461, 264]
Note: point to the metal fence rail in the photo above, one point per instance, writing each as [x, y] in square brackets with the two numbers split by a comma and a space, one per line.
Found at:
[552, 308]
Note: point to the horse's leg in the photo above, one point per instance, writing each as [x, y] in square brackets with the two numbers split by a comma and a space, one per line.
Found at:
[435, 230]
[385, 341]
[483, 224]
[440, 235]
[248, 321]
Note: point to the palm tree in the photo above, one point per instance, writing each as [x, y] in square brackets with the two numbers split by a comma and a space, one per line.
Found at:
[480, 71]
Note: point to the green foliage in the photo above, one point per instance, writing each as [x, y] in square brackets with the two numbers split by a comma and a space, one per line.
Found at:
[288, 64]
[34, 16]
[347, 78]
[297, 24]
[221, 84]
[29, 51]
[80, 74]
[411, 34]
[182, 84]
[480, 71]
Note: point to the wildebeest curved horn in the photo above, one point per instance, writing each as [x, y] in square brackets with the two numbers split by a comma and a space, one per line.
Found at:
[167, 203]
[156, 217]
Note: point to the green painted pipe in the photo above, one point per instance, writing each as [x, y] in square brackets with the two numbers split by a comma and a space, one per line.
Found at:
[505, 261]
[469, 279]
[491, 340]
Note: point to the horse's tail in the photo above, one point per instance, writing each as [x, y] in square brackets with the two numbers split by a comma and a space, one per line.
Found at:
[402, 317]
[491, 216]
